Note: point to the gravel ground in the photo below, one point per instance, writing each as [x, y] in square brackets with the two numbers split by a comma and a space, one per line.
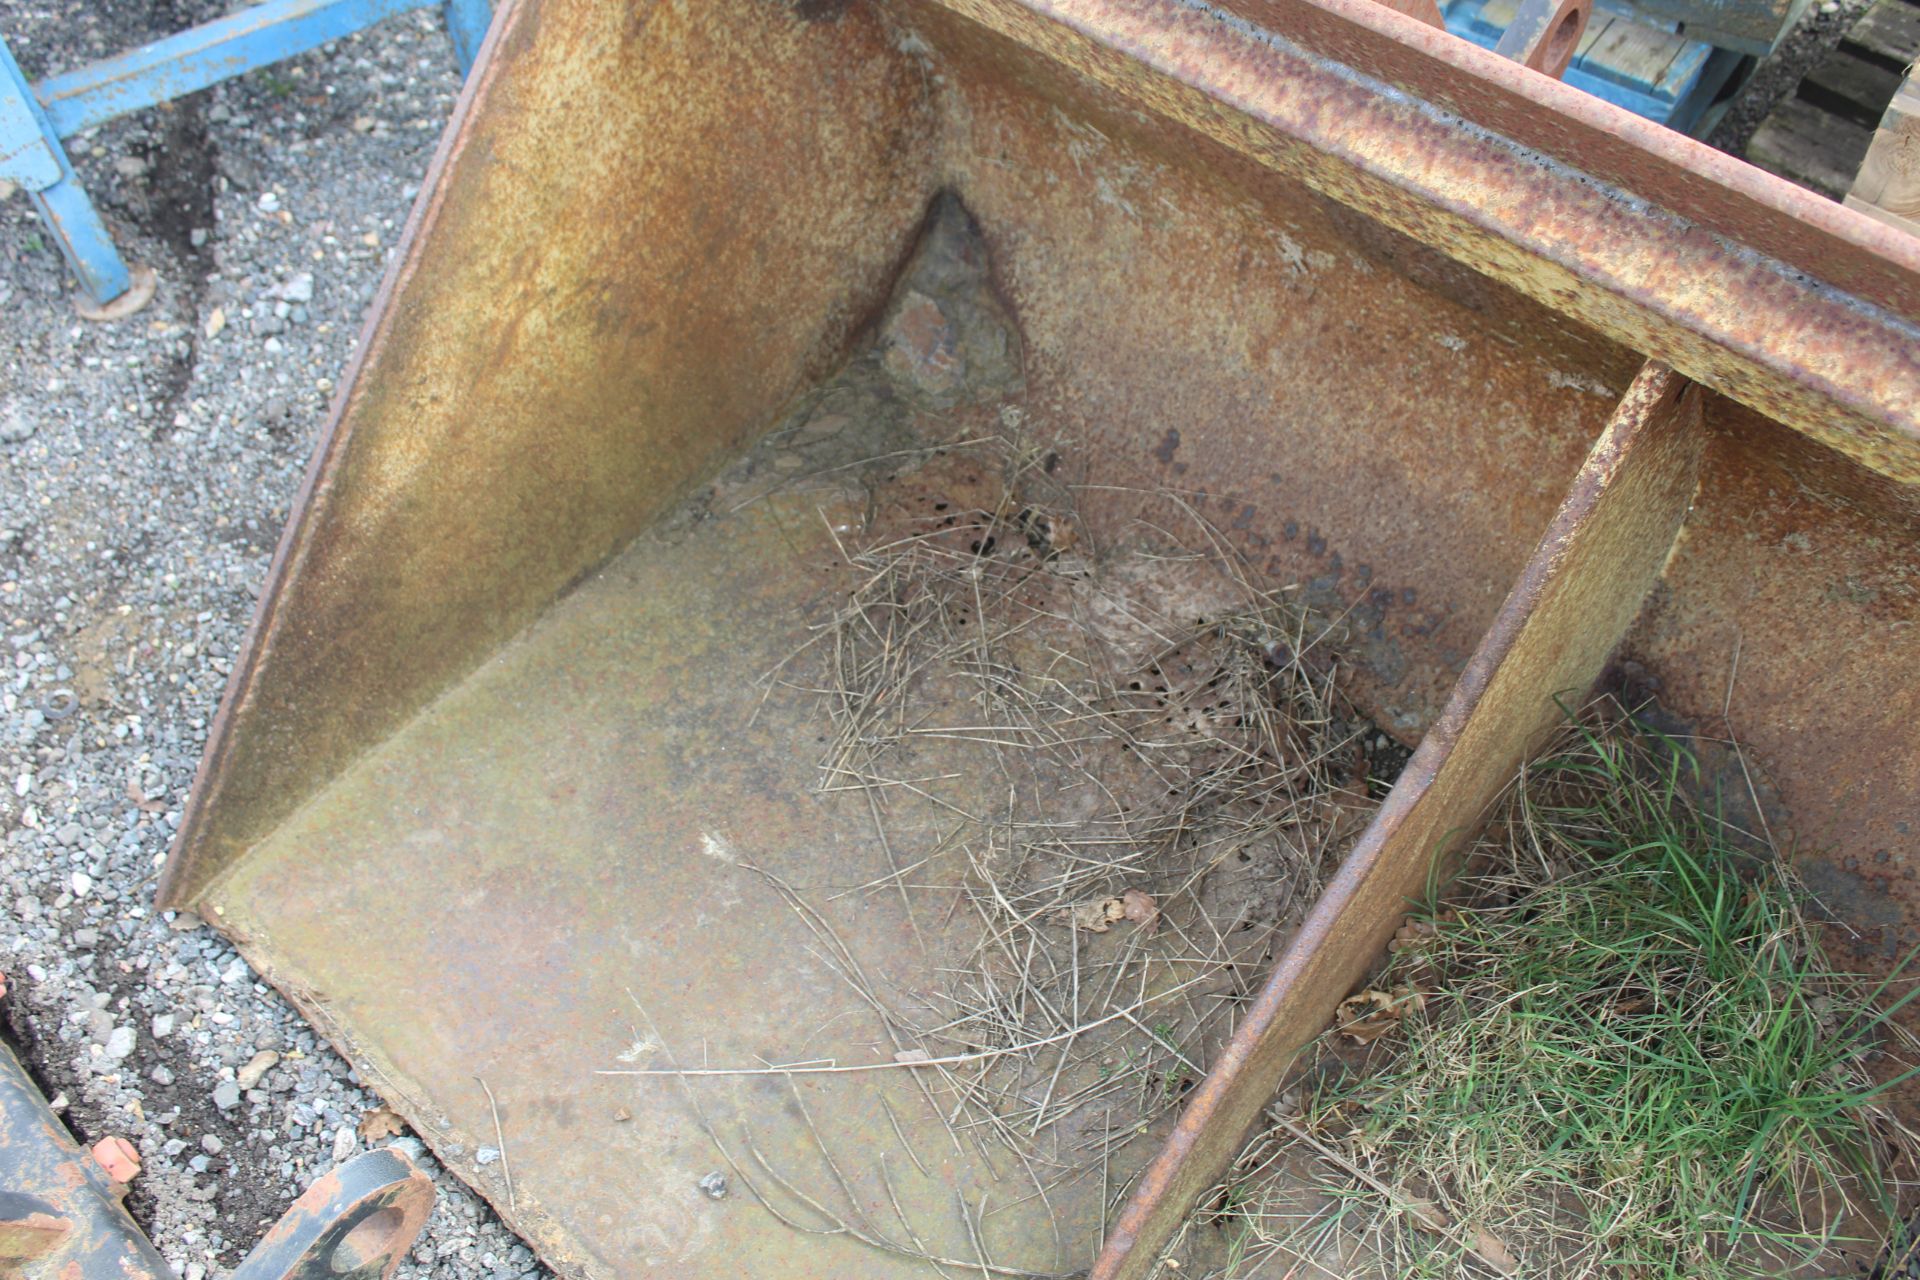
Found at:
[145, 471]
[146, 468]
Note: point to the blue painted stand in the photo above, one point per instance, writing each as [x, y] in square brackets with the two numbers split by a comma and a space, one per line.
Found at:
[34, 118]
[1642, 63]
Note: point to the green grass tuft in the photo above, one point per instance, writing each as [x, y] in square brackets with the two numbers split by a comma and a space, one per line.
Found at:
[1635, 1059]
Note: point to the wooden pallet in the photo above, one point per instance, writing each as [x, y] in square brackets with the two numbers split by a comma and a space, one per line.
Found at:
[1888, 185]
[1819, 137]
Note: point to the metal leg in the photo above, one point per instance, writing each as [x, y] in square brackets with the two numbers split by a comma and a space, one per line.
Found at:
[31, 155]
[63, 1212]
[30, 132]
[59, 1210]
[467, 22]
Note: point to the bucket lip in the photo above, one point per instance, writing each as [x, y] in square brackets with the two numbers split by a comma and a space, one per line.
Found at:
[1489, 94]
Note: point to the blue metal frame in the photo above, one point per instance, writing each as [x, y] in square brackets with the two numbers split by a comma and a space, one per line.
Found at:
[1684, 90]
[34, 118]
[31, 156]
[467, 22]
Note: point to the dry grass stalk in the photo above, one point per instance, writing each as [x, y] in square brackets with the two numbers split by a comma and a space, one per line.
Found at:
[1169, 785]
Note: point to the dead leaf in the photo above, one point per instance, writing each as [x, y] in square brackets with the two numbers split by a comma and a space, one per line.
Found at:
[1138, 906]
[1370, 1014]
[1412, 934]
[1494, 1252]
[1426, 1212]
[140, 800]
[381, 1122]
[1094, 917]
[912, 1055]
[1415, 933]
[1058, 532]
[1491, 1249]
[1627, 1008]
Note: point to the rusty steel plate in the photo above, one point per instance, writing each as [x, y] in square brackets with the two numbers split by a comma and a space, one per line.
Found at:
[1362, 293]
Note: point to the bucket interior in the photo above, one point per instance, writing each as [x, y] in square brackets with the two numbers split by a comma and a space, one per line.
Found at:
[538, 790]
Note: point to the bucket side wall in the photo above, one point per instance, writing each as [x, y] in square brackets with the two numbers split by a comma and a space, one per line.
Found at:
[649, 228]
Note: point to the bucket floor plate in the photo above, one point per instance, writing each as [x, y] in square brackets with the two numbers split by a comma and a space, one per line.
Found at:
[561, 837]
[587, 857]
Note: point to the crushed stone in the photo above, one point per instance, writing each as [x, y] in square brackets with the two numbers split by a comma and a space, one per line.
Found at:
[146, 468]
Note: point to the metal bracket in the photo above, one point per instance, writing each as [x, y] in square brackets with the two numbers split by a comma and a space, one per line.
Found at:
[355, 1223]
[1545, 34]
[61, 1215]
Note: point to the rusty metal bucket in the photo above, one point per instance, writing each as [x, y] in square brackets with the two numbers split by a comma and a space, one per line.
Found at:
[1502, 371]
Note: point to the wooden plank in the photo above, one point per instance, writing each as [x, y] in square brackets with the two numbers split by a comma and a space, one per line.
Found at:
[1850, 87]
[1749, 26]
[1634, 54]
[1820, 137]
[1597, 27]
[1889, 30]
[1804, 144]
[1889, 180]
[1574, 600]
[1909, 225]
